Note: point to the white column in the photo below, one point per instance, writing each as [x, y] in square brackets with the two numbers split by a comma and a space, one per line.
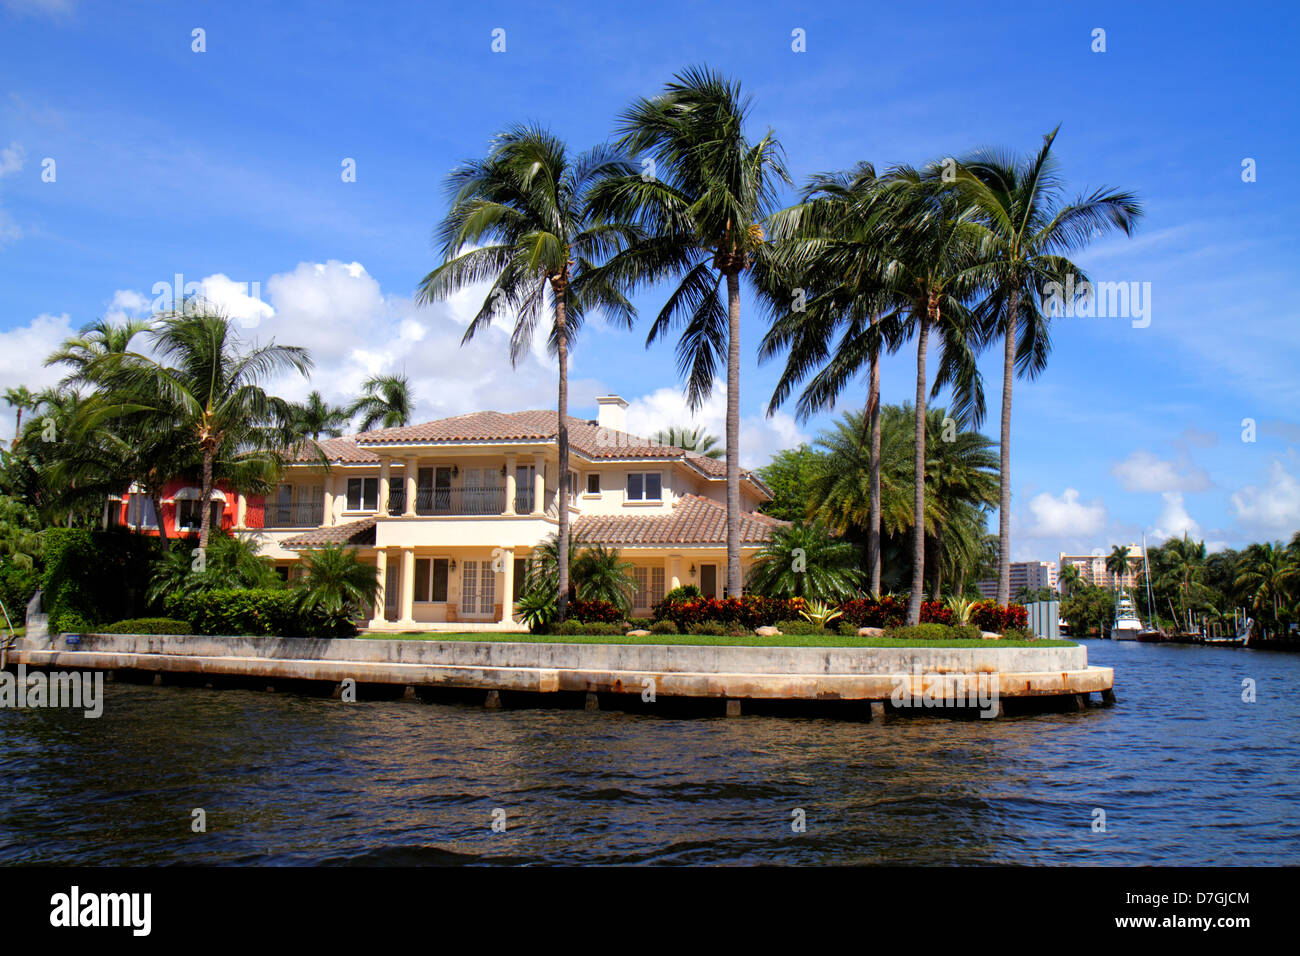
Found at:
[508, 586]
[384, 470]
[241, 511]
[410, 486]
[512, 462]
[408, 586]
[381, 569]
[327, 519]
[539, 485]
[674, 571]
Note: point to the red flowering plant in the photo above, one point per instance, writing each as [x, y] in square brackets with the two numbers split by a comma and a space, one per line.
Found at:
[887, 611]
[988, 616]
[595, 611]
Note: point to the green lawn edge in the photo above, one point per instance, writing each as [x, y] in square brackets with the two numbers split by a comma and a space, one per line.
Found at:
[702, 640]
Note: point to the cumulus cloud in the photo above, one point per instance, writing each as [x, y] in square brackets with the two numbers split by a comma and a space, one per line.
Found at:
[1065, 516]
[22, 350]
[760, 436]
[1271, 509]
[1145, 471]
[1174, 520]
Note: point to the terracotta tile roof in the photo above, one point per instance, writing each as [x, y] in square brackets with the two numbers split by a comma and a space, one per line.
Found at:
[585, 437]
[343, 449]
[694, 520]
[360, 534]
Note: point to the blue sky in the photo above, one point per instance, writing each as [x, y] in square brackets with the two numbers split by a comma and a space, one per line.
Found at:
[225, 166]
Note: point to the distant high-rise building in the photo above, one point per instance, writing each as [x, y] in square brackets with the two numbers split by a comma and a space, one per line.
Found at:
[1092, 568]
[1029, 575]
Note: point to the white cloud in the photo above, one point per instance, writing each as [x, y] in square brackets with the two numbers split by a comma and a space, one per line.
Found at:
[22, 350]
[1065, 516]
[760, 436]
[1174, 521]
[236, 299]
[1145, 471]
[11, 158]
[1273, 508]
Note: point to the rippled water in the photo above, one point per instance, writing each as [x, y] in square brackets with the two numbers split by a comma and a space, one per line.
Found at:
[1185, 771]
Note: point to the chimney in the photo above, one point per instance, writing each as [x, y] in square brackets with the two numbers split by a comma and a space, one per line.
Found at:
[612, 414]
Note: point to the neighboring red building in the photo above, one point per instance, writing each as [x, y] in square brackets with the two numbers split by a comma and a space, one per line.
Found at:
[181, 513]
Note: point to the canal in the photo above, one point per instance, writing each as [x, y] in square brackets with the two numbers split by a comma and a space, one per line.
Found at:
[1181, 771]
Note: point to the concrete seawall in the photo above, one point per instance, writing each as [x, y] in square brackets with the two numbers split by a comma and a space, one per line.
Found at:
[870, 674]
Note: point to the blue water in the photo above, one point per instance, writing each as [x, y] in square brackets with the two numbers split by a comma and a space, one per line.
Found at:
[1185, 772]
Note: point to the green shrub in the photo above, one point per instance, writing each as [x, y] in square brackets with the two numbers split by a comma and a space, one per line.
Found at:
[966, 632]
[663, 627]
[709, 629]
[921, 632]
[17, 585]
[149, 625]
[640, 623]
[847, 629]
[586, 628]
[257, 611]
[1019, 634]
[92, 577]
[802, 629]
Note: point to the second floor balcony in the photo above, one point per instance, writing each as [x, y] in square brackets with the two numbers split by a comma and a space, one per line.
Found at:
[468, 501]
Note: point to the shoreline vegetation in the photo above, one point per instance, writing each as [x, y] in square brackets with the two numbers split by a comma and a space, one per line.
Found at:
[709, 640]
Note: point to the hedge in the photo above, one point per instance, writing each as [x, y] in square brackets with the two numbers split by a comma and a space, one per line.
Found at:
[749, 612]
[93, 577]
[149, 625]
[256, 611]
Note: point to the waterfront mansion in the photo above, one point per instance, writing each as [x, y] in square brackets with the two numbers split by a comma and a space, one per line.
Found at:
[450, 510]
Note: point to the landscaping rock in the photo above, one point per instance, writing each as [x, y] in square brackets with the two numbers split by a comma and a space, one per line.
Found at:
[767, 631]
[991, 635]
[871, 632]
[638, 632]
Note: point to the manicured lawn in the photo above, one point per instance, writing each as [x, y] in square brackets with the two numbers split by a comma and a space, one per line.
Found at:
[751, 640]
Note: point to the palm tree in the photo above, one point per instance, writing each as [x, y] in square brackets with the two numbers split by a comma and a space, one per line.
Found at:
[601, 574]
[1028, 231]
[1069, 578]
[93, 342]
[1183, 563]
[702, 208]
[833, 245]
[961, 481]
[385, 402]
[316, 416]
[804, 560]
[1266, 574]
[931, 271]
[211, 392]
[523, 219]
[1119, 563]
[19, 399]
[335, 580]
[690, 439]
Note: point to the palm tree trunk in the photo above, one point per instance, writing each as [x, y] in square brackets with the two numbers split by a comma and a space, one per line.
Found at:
[205, 516]
[734, 584]
[873, 521]
[562, 440]
[1004, 478]
[918, 477]
[155, 496]
[936, 584]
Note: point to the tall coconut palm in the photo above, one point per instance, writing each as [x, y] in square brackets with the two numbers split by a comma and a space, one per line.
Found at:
[961, 481]
[701, 198]
[1119, 563]
[1069, 578]
[1183, 566]
[385, 402]
[316, 417]
[522, 219]
[932, 270]
[690, 439]
[827, 270]
[20, 399]
[211, 389]
[1028, 231]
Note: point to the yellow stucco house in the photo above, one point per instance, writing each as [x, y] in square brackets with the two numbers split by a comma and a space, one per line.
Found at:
[450, 510]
